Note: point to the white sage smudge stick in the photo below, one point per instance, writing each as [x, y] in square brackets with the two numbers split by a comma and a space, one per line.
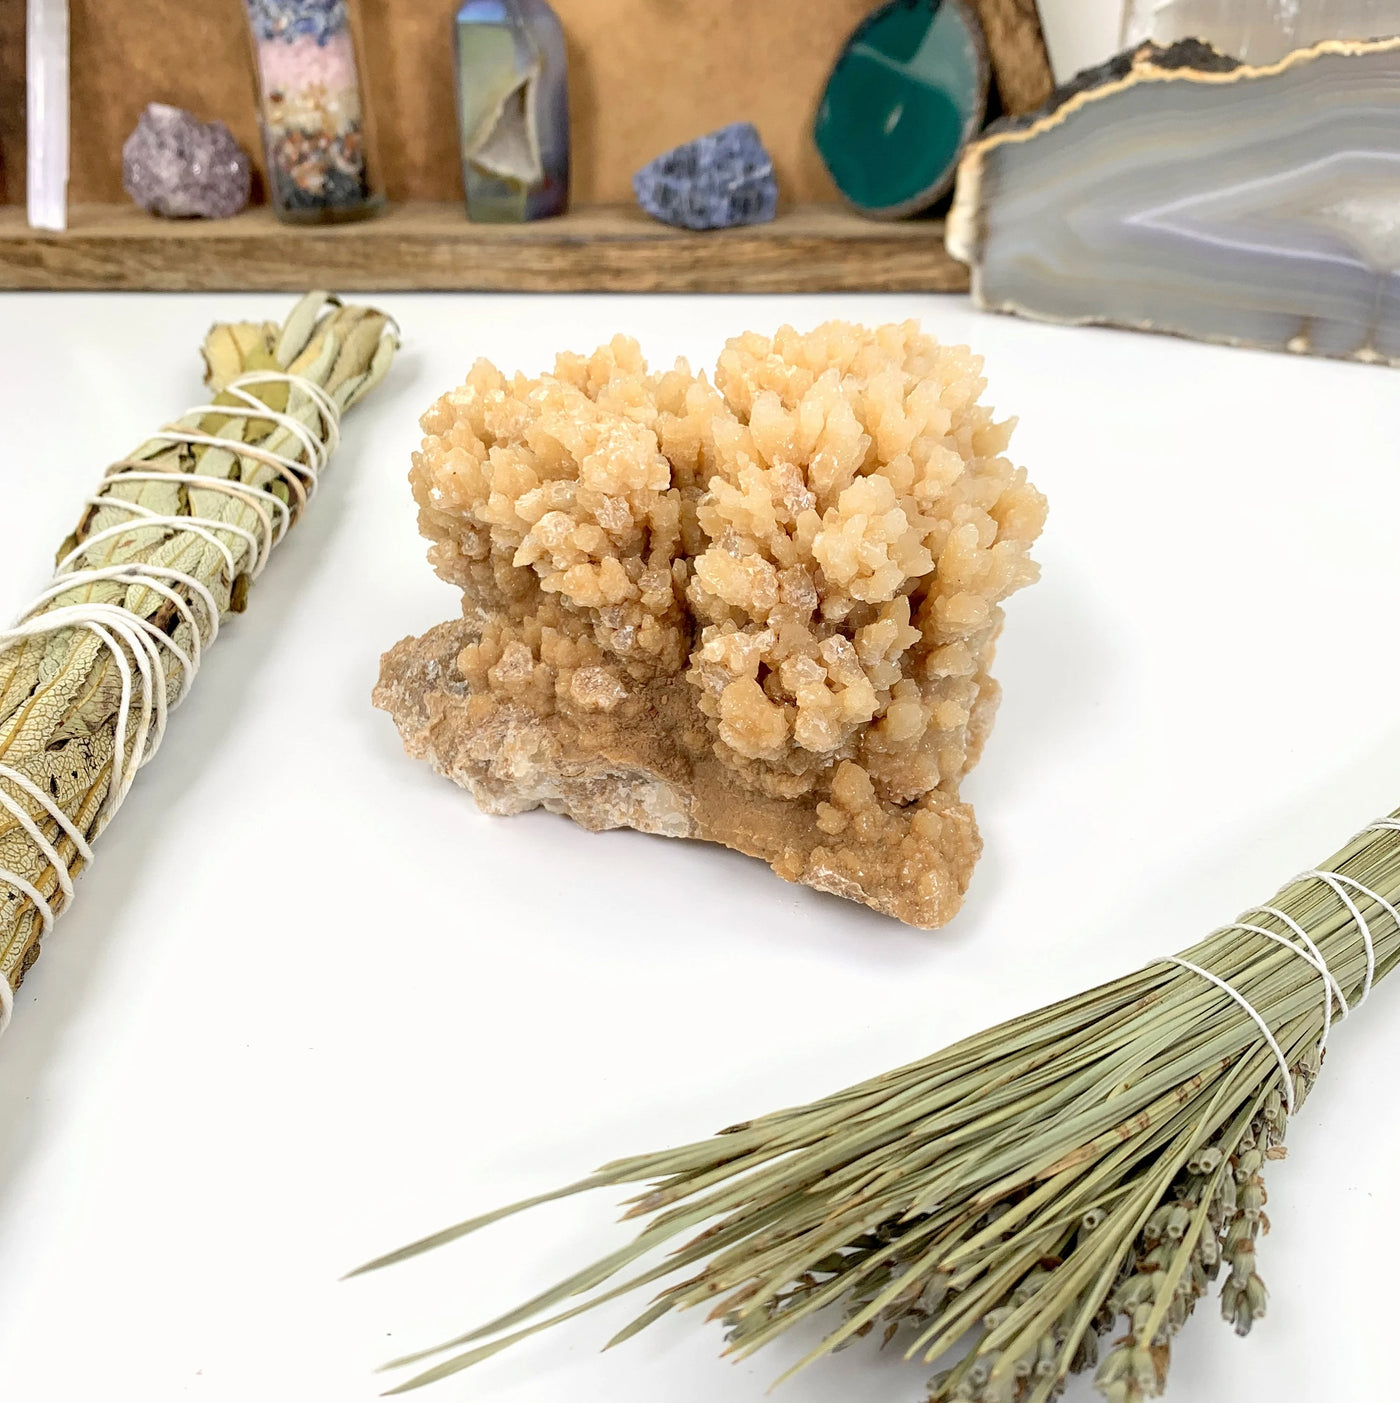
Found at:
[165, 549]
[1025, 1189]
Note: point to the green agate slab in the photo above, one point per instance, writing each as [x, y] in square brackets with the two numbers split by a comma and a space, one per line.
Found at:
[907, 94]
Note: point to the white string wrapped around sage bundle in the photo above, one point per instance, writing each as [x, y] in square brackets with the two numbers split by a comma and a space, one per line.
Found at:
[166, 548]
[1024, 1190]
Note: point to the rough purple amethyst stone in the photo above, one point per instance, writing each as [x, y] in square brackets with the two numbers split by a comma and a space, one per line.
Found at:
[175, 165]
[714, 182]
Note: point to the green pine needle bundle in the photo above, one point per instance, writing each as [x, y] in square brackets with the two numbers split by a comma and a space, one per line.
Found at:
[1092, 1165]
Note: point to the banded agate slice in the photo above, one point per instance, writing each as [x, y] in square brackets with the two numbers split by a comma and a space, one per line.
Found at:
[1176, 190]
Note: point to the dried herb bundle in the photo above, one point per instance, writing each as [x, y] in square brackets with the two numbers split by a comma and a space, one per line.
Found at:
[88, 675]
[1023, 1189]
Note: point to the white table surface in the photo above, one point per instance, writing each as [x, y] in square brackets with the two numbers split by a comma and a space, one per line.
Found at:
[310, 1003]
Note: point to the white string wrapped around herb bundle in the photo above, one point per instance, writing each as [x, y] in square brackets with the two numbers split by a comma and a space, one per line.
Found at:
[1025, 1189]
[91, 669]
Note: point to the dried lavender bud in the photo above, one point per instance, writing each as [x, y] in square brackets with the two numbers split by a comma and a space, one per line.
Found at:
[1056, 1208]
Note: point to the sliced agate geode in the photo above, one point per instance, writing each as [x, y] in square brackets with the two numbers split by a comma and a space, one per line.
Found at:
[1174, 189]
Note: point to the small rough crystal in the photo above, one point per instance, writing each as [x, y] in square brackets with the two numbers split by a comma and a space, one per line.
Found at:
[717, 181]
[1258, 31]
[175, 165]
[758, 610]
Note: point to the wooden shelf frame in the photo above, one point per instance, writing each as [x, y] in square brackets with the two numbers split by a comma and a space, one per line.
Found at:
[426, 246]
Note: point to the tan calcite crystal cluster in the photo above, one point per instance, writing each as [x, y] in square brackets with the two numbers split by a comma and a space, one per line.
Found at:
[758, 611]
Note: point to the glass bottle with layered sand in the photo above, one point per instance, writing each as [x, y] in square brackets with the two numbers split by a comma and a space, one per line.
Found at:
[512, 104]
[314, 110]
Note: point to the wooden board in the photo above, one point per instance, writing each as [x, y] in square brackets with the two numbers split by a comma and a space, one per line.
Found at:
[644, 75]
[1016, 45]
[431, 246]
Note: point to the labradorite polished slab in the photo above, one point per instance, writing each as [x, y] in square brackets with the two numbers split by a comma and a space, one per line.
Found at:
[906, 95]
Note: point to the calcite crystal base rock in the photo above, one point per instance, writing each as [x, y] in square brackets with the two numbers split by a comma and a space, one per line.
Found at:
[1176, 190]
[758, 612]
[652, 768]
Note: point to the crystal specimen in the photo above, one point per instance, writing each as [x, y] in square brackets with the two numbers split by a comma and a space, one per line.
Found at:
[908, 92]
[1174, 190]
[313, 110]
[717, 181]
[759, 611]
[46, 112]
[1258, 31]
[513, 110]
[176, 165]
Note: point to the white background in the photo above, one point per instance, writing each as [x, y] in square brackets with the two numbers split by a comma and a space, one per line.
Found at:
[310, 1003]
[1080, 32]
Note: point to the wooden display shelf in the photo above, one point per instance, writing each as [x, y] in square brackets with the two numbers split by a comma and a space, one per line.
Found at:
[430, 246]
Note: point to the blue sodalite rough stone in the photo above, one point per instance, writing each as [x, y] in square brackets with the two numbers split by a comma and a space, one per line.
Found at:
[716, 181]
